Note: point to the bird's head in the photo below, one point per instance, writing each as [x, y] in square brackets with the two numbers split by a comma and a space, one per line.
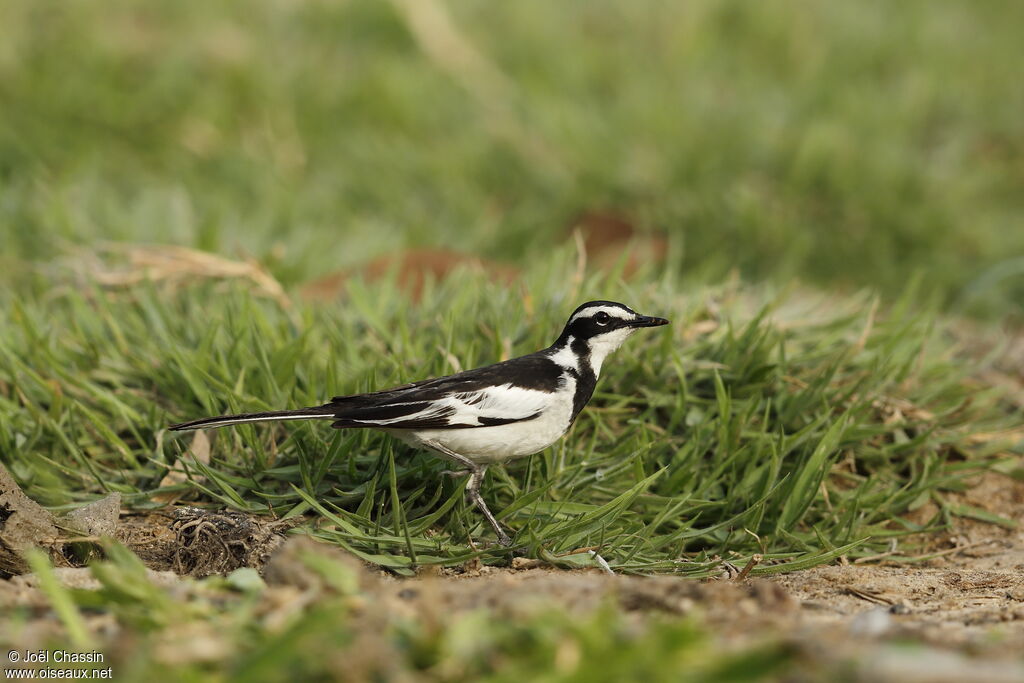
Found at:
[599, 327]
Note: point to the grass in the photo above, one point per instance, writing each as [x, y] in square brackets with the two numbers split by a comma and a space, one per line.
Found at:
[238, 628]
[850, 147]
[868, 151]
[720, 446]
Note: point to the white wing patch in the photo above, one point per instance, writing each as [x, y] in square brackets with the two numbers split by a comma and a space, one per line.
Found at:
[474, 408]
[505, 402]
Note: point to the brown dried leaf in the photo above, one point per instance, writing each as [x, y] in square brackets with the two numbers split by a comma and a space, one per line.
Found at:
[604, 235]
[23, 524]
[413, 267]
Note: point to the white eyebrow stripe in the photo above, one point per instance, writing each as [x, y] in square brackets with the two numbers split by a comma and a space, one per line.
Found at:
[613, 311]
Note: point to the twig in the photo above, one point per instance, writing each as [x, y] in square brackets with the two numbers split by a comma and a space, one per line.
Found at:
[925, 556]
[755, 560]
[876, 598]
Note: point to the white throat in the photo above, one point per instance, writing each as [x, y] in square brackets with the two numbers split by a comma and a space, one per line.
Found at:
[601, 345]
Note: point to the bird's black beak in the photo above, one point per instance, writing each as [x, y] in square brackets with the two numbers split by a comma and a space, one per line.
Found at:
[646, 321]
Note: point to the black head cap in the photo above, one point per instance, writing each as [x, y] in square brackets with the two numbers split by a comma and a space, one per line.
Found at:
[595, 318]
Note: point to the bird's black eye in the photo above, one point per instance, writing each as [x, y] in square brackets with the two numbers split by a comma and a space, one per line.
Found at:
[602, 318]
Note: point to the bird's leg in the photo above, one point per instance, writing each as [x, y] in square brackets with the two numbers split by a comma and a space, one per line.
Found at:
[455, 473]
[476, 478]
[473, 489]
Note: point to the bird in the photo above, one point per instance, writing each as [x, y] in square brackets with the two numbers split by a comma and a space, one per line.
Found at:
[488, 415]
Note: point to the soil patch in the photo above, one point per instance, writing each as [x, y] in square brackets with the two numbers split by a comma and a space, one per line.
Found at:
[962, 608]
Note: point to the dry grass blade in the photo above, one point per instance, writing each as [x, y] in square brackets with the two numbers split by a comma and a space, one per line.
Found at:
[178, 265]
[198, 451]
[444, 43]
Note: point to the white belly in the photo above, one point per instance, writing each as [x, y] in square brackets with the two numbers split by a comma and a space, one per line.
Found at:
[487, 445]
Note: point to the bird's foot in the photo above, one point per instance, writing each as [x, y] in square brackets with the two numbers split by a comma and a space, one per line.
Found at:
[504, 540]
[456, 473]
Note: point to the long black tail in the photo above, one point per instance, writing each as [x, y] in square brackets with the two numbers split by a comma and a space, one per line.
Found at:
[316, 412]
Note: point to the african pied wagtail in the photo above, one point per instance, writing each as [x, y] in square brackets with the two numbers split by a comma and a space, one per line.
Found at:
[489, 415]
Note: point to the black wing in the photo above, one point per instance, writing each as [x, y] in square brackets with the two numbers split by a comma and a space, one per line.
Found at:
[511, 391]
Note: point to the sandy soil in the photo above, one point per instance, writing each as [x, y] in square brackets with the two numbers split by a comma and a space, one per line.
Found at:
[957, 616]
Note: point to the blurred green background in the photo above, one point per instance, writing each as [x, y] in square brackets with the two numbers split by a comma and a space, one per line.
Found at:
[847, 144]
[844, 146]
